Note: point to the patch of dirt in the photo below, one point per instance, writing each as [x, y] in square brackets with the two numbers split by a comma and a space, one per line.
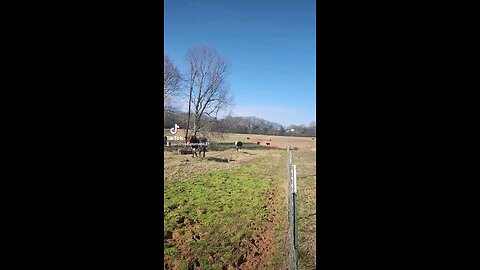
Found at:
[252, 253]
[256, 252]
[181, 241]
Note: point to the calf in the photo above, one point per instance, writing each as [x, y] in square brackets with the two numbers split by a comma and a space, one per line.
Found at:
[238, 145]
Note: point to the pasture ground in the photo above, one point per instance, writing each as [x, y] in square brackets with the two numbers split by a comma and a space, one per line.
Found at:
[229, 209]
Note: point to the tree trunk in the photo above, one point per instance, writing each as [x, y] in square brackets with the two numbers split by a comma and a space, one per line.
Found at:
[189, 112]
[195, 127]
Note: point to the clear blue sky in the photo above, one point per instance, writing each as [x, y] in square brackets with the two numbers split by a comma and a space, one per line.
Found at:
[269, 43]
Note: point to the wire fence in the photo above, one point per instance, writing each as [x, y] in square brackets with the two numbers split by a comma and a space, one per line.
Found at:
[292, 210]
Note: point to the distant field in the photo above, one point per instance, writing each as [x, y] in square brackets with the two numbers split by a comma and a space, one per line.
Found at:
[228, 210]
[303, 143]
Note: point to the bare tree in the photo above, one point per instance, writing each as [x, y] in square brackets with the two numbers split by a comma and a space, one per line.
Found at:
[171, 83]
[207, 86]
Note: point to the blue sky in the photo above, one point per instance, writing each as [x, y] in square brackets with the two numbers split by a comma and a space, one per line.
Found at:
[269, 43]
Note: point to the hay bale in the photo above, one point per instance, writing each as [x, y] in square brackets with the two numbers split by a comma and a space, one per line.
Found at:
[185, 151]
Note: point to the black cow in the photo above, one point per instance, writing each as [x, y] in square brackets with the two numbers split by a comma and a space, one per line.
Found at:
[238, 145]
[203, 146]
[200, 144]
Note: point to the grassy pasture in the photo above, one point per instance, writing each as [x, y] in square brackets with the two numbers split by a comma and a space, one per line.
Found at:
[228, 210]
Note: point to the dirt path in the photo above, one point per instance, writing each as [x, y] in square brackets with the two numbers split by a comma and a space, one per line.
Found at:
[259, 250]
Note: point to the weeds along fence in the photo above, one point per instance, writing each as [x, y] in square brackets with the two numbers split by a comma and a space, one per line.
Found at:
[292, 210]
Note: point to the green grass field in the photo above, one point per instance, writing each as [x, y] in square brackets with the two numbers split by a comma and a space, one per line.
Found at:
[229, 209]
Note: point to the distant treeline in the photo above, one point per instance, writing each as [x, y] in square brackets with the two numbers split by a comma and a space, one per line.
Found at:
[244, 125]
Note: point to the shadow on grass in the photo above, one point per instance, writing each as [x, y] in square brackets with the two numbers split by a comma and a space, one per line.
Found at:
[225, 160]
[220, 146]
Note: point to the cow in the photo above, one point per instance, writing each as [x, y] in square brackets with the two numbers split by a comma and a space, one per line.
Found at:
[200, 144]
[238, 145]
[203, 146]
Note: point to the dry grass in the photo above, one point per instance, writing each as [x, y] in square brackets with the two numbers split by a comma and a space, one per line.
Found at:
[184, 166]
[302, 143]
[306, 201]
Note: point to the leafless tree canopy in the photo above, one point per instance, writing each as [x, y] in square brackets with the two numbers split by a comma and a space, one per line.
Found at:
[171, 79]
[207, 85]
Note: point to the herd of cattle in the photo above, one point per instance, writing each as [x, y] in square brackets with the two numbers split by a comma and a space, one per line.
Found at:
[200, 144]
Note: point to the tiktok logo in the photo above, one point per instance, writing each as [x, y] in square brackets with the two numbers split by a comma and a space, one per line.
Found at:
[174, 129]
